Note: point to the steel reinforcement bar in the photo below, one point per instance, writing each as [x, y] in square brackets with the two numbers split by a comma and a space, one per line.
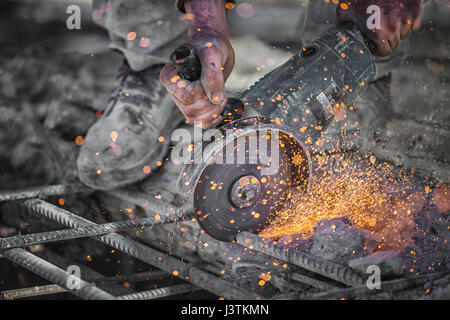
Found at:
[144, 253]
[315, 283]
[55, 289]
[68, 234]
[364, 291]
[31, 292]
[302, 259]
[160, 292]
[43, 191]
[56, 275]
[133, 196]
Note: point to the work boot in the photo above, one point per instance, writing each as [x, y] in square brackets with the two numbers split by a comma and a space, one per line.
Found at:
[132, 137]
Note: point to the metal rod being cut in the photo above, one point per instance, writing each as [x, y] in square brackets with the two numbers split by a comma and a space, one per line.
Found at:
[302, 259]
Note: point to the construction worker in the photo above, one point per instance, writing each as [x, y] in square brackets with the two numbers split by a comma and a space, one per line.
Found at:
[127, 142]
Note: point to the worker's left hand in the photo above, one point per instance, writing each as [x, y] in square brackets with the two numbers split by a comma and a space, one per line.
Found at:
[398, 18]
[203, 101]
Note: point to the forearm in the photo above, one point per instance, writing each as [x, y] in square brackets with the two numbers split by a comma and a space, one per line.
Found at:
[206, 16]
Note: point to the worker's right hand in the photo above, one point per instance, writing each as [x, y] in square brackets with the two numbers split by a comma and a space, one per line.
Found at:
[202, 101]
[397, 20]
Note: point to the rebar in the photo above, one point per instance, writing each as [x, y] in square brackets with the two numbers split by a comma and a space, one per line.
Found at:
[132, 278]
[86, 272]
[302, 259]
[364, 290]
[144, 253]
[31, 292]
[68, 234]
[42, 191]
[315, 283]
[55, 289]
[441, 294]
[53, 274]
[252, 274]
[160, 292]
[247, 264]
[184, 288]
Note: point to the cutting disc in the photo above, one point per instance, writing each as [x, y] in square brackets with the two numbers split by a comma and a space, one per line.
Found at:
[230, 198]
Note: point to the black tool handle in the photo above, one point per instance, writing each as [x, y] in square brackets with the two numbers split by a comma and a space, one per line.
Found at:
[187, 63]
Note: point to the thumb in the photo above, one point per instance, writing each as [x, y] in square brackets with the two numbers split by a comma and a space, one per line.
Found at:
[212, 75]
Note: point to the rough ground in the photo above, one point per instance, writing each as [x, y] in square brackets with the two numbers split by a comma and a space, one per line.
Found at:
[54, 83]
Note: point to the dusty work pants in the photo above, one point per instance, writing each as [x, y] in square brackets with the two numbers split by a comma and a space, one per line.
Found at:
[145, 31]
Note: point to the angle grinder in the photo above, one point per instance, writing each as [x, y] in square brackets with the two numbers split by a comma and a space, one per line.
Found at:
[259, 152]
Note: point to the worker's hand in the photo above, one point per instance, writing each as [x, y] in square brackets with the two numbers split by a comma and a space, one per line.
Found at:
[398, 18]
[203, 100]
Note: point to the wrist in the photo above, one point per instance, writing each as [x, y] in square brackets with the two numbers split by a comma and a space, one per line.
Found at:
[206, 16]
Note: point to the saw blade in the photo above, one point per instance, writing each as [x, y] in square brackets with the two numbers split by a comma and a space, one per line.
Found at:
[230, 198]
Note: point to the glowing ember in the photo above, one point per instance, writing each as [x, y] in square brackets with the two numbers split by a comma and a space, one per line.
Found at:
[375, 198]
[113, 135]
[79, 140]
[131, 36]
[146, 169]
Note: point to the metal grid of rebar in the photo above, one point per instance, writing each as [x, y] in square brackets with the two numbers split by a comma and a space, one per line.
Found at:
[195, 278]
[78, 227]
